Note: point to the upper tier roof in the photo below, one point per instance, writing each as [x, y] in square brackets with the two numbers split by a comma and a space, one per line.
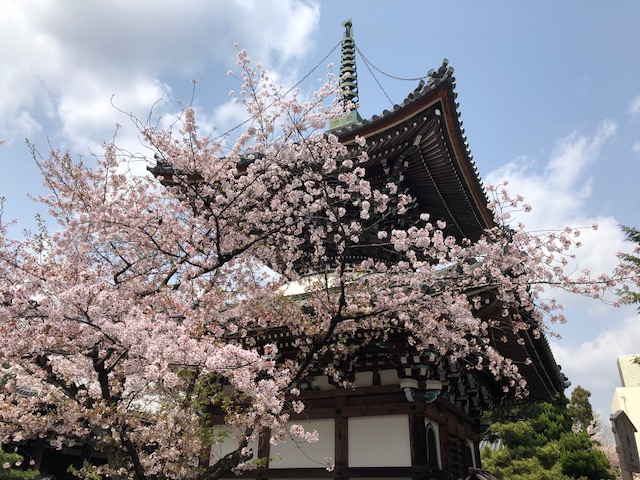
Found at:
[423, 141]
[421, 145]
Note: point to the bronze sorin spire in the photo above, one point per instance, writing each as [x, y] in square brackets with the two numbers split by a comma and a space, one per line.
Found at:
[348, 79]
[348, 73]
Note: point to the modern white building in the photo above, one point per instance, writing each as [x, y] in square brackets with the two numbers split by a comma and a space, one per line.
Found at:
[627, 397]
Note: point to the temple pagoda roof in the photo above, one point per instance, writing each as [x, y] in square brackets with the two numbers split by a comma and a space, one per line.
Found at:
[421, 145]
[422, 140]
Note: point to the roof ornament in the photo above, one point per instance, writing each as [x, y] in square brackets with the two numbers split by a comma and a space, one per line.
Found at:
[348, 79]
[348, 73]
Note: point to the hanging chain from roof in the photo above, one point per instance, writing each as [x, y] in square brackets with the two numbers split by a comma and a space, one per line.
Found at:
[366, 63]
[370, 65]
[366, 60]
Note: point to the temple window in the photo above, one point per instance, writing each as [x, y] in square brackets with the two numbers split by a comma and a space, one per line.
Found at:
[433, 447]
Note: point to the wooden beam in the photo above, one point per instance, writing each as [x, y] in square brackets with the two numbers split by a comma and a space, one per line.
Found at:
[344, 473]
[341, 445]
[418, 442]
[341, 442]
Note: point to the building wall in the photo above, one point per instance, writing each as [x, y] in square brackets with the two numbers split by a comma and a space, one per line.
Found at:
[296, 453]
[370, 430]
[627, 399]
[629, 371]
[381, 441]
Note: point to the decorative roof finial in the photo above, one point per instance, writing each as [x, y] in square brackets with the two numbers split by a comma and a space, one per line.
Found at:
[348, 79]
[348, 73]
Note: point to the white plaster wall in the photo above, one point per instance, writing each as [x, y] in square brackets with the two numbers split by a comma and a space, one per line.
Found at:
[322, 383]
[389, 377]
[230, 442]
[364, 379]
[381, 441]
[295, 453]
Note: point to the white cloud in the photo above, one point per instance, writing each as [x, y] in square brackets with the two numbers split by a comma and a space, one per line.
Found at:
[634, 106]
[25, 125]
[592, 363]
[597, 357]
[69, 61]
[228, 115]
[87, 115]
[558, 192]
[597, 254]
[636, 147]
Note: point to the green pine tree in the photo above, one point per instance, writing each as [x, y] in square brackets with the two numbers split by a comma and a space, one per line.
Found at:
[11, 467]
[632, 260]
[539, 443]
[580, 409]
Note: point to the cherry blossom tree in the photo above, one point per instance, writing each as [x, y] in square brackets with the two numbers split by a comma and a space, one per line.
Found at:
[139, 312]
[601, 437]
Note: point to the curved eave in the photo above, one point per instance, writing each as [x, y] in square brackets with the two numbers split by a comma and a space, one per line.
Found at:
[426, 133]
[529, 351]
[544, 379]
[390, 136]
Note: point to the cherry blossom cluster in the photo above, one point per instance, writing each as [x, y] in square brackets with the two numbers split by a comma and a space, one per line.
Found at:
[145, 310]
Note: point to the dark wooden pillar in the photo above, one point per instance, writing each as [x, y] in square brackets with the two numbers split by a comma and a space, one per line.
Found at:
[445, 448]
[418, 442]
[264, 446]
[341, 434]
[38, 453]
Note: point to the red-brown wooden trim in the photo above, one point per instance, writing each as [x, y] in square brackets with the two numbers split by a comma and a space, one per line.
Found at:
[264, 446]
[396, 118]
[341, 455]
[418, 439]
[460, 152]
[445, 453]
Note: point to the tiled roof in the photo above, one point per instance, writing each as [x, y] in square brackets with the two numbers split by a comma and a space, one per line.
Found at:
[421, 142]
[440, 172]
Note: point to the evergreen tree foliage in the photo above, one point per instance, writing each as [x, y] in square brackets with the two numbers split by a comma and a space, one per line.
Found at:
[580, 409]
[632, 261]
[10, 464]
[538, 443]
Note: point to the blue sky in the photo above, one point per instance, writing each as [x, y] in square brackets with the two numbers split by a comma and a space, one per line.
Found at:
[549, 96]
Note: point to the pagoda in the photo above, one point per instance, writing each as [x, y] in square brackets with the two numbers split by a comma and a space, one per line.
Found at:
[409, 414]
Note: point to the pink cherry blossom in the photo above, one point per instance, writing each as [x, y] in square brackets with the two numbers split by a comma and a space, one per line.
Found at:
[144, 306]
